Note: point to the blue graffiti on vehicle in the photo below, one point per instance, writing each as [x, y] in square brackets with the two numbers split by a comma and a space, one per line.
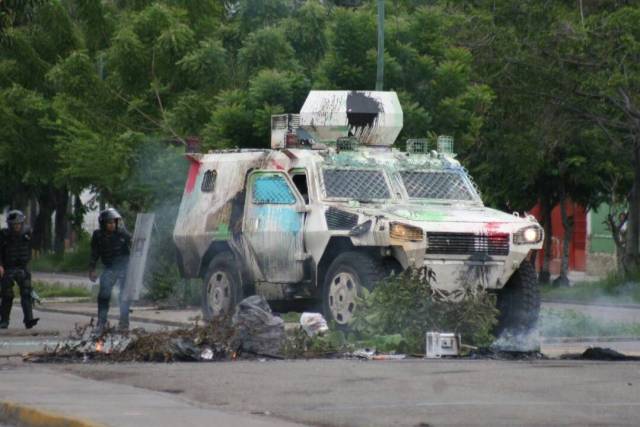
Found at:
[278, 218]
[272, 189]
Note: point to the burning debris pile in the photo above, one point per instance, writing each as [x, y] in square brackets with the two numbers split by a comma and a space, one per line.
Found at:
[494, 353]
[201, 342]
[392, 323]
[251, 332]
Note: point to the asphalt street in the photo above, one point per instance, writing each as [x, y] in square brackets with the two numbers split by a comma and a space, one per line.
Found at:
[357, 393]
[412, 392]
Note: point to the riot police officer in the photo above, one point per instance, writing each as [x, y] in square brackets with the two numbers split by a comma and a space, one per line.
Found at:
[15, 254]
[111, 243]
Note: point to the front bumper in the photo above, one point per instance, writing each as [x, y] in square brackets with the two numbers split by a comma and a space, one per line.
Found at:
[462, 271]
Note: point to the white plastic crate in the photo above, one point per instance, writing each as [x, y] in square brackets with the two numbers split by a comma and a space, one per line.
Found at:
[442, 344]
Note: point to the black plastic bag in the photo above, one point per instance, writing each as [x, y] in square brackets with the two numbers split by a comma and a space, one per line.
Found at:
[257, 330]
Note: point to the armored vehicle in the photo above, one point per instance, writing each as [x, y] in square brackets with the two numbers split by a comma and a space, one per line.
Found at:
[332, 208]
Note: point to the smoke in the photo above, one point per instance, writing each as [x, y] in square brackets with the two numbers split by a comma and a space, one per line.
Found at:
[155, 186]
[512, 341]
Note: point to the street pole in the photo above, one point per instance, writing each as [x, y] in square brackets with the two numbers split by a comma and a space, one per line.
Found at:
[380, 70]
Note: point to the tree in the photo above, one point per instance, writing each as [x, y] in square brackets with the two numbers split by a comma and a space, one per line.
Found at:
[266, 48]
[608, 85]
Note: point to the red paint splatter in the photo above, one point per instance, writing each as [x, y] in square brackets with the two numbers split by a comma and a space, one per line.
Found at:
[495, 235]
[493, 228]
[277, 165]
[194, 170]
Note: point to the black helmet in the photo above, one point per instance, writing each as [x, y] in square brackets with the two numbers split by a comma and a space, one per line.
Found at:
[108, 214]
[15, 217]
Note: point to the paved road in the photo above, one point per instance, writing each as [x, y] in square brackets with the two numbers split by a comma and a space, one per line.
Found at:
[406, 393]
[630, 314]
[112, 404]
[332, 392]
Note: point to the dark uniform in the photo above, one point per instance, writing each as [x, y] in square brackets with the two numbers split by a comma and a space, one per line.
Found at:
[113, 249]
[15, 254]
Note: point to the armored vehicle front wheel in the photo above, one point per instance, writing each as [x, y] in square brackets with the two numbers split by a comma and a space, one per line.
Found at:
[519, 301]
[222, 287]
[347, 275]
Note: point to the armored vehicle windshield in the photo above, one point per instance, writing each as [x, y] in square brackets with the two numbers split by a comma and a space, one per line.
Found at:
[356, 184]
[445, 185]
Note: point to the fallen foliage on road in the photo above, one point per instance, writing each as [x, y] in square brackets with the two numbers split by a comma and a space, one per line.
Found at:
[408, 305]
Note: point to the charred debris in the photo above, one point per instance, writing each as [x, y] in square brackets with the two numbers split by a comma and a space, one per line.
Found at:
[253, 332]
[222, 340]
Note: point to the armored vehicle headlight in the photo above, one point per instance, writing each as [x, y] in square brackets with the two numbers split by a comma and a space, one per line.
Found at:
[405, 232]
[528, 235]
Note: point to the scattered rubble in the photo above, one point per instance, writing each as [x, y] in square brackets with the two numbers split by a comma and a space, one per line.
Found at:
[364, 353]
[253, 332]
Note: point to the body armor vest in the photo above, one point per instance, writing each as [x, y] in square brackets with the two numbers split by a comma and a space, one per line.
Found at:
[15, 249]
[113, 249]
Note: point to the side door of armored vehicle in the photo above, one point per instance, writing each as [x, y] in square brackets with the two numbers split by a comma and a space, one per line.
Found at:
[273, 228]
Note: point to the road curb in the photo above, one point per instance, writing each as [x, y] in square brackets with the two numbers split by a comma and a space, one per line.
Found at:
[28, 416]
[116, 317]
[555, 340]
[590, 304]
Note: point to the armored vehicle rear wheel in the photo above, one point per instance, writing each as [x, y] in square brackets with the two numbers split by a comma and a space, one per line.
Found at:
[347, 275]
[519, 301]
[222, 287]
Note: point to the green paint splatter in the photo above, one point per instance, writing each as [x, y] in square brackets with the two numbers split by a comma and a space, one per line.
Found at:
[222, 232]
[421, 215]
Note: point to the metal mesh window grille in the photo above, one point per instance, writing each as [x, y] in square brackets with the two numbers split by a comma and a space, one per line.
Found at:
[355, 184]
[340, 220]
[418, 145]
[272, 189]
[436, 185]
[467, 243]
[208, 181]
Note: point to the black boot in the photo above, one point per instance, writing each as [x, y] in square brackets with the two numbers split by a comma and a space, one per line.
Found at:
[5, 312]
[27, 309]
[31, 323]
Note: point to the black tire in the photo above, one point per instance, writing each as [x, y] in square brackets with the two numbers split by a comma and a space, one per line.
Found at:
[519, 302]
[223, 274]
[346, 276]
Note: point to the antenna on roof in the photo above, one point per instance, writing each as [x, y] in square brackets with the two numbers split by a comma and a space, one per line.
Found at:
[380, 69]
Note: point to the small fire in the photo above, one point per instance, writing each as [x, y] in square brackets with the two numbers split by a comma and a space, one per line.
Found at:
[234, 355]
[99, 346]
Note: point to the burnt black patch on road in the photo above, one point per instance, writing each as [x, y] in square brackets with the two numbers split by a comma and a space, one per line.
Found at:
[492, 354]
[600, 353]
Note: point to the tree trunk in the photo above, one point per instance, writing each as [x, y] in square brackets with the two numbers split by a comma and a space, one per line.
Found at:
[33, 212]
[78, 213]
[615, 224]
[567, 224]
[546, 208]
[42, 229]
[631, 260]
[62, 204]
[20, 199]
